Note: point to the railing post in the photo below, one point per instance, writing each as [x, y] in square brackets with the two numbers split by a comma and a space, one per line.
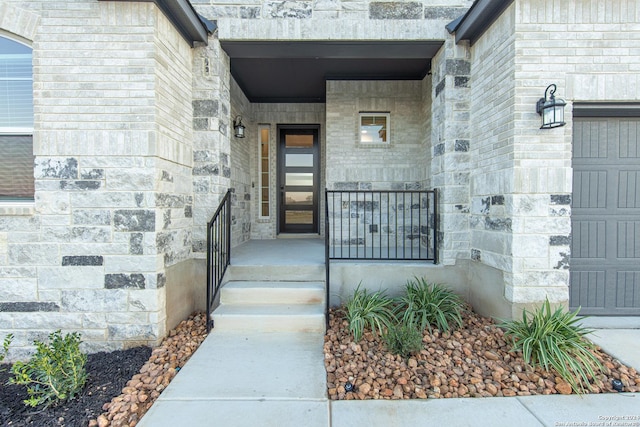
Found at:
[435, 226]
[209, 320]
[326, 258]
[217, 263]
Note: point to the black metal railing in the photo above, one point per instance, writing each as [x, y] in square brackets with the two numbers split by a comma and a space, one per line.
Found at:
[326, 264]
[381, 225]
[218, 251]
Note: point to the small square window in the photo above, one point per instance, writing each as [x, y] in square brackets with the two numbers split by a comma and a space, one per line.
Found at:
[374, 128]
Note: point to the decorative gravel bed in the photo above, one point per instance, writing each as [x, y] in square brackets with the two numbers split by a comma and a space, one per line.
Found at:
[473, 361]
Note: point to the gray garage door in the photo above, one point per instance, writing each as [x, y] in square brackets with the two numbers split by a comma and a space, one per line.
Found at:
[605, 250]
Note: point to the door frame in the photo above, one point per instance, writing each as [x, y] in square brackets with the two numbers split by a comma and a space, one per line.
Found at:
[281, 130]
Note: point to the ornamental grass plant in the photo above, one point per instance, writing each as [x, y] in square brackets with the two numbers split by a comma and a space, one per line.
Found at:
[554, 339]
[427, 305]
[373, 310]
[403, 339]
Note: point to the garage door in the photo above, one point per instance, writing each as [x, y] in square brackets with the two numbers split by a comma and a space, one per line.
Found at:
[605, 249]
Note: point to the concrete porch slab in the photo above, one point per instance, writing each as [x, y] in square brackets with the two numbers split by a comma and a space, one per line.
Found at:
[285, 252]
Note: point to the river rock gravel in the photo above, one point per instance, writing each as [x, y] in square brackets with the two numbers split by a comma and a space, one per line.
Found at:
[473, 361]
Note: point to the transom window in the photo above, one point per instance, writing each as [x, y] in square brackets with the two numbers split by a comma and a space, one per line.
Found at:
[374, 128]
[16, 121]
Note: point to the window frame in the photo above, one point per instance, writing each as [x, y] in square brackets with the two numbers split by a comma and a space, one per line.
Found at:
[261, 186]
[18, 131]
[387, 127]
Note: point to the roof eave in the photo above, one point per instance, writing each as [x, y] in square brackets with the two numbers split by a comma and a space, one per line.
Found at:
[191, 26]
[477, 19]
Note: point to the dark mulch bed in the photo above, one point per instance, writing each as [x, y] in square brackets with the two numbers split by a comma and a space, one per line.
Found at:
[108, 374]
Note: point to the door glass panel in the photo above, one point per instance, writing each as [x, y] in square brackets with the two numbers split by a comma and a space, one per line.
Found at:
[298, 141]
[299, 197]
[299, 179]
[299, 217]
[299, 160]
[264, 171]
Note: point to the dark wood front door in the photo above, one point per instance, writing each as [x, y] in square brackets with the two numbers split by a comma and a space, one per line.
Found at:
[298, 178]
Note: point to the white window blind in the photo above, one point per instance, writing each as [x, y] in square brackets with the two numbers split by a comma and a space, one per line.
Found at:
[16, 86]
[16, 121]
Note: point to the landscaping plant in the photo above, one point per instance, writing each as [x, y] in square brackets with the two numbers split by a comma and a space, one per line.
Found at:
[375, 311]
[55, 372]
[403, 339]
[427, 305]
[555, 340]
[5, 348]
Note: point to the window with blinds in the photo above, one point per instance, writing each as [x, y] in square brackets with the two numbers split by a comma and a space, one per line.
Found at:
[16, 121]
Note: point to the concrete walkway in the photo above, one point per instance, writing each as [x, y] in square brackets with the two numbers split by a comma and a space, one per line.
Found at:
[278, 379]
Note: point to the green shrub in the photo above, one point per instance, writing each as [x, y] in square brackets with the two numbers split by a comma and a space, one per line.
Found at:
[375, 311]
[5, 348]
[554, 340]
[428, 305]
[403, 339]
[55, 372]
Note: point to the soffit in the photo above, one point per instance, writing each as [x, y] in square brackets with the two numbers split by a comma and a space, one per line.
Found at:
[273, 71]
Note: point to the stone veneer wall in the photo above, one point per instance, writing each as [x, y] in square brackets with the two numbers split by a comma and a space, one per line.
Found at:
[450, 159]
[242, 168]
[272, 115]
[393, 166]
[492, 146]
[112, 140]
[307, 20]
[521, 190]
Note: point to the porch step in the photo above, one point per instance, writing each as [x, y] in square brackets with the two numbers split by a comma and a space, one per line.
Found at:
[305, 272]
[263, 292]
[269, 318]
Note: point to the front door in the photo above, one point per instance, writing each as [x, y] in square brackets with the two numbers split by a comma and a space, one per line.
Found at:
[298, 178]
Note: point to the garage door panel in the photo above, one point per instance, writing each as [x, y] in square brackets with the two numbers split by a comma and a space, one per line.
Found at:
[587, 288]
[628, 239]
[629, 139]
[628, 189]
[605, 247]
[590, 189]
[589, 239]
[590, 139]
[628, 289]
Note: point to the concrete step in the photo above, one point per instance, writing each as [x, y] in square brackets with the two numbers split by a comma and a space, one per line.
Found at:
[262, 292]
[269, 318]
[310, 272]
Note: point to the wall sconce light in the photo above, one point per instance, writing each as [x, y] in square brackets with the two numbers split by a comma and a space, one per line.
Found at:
[238, 127]
[551, 109]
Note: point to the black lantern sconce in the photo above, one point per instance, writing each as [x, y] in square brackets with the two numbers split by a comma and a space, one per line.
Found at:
[551, 109]
[238, 127]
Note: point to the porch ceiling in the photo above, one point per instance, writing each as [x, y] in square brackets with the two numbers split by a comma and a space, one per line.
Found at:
[296, 71]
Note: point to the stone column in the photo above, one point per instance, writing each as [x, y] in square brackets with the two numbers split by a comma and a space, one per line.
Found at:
[450, 146]
[212, 130]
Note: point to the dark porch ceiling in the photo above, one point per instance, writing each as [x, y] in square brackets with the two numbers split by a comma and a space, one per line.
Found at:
[297, 71]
